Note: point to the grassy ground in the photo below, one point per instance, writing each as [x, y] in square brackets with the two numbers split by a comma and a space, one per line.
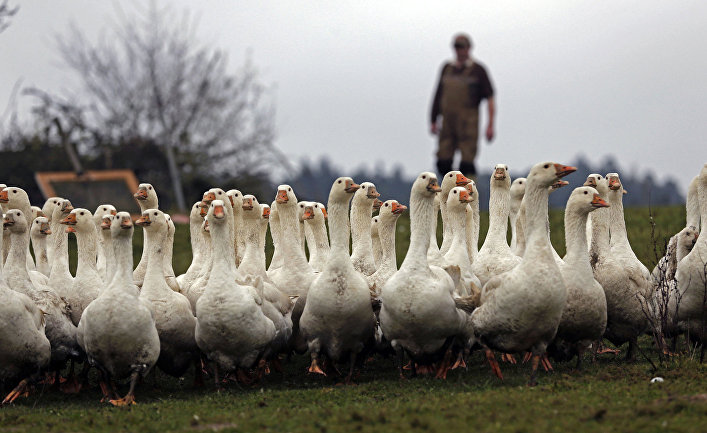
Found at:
[609, 395]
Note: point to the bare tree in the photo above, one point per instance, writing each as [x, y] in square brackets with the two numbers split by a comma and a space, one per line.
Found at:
[6, 12]
[150, 78]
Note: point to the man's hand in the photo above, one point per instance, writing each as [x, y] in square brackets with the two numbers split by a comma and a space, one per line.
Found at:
[489, 133]
[433, 128]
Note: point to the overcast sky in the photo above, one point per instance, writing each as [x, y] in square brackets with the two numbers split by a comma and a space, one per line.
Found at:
[354, 80]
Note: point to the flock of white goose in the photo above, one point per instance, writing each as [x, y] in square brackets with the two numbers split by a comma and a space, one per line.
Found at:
[231, 317]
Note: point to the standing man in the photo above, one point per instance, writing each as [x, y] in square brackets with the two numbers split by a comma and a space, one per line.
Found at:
[463, 84]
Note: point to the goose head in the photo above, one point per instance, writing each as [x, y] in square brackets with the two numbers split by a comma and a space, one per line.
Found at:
[558, 184]
[285, 196]
[195, 216]
[688, 237]
[265, 211]
[101, 211]
[458, 198]
[106, 223]
[235, 196]
[36, 212]
[518, 188]
[50, 205]
[614, 181]
[251, 207]
[14, 198]
[367, 193]
[305, 210]
[426, 184]
[216, 214]
[544, 174]
[473, 192]
[342, 187]
[40, 227]
[585, 199]
[500, 176]
[320, 210]
[79, 220]
[599, 182]
[15, 221]
[122, 226]
[152, 220]
[452, 179]
[170, 224]
[390, 209]
[146, 196]
[377, 203]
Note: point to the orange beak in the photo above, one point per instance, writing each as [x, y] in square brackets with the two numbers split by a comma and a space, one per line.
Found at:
[614, 183]
[4, 198]
[70, 220]
[203, 210]
[266, 213]
[7, 222]
[398, 208]
[247, 204]
[432, 186]
[141, 194]
[462, 180]
[230, 197]
[464, 196]
[351, 186]
[143, 221]
[206, 226]
[209, 197]
[282, 196]
[591, 182]
[70, 229]
[324, 213]
[372, 193]
[564, 170]
[377, 203]
[66, 207]
[114, 212]
[559, 184]
[105, 224]
[44, 229]
[499, 174]
[219, 212]
[308, 213]
[126, 223]
[599, 202]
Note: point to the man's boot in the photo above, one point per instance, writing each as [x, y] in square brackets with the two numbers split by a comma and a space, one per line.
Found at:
[444, 166]
[468, 169]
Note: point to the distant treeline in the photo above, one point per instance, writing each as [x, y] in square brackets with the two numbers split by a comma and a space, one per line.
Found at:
[313, 180]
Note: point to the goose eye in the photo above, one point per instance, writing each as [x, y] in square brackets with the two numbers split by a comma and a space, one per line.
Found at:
[14, 191]
[450, 175]
[150, 188]
[454, 192]
[586, 192]
[546, 166]
[424, 177]
[81, 213]
[339, 182]
[386, 205]
[155, 213]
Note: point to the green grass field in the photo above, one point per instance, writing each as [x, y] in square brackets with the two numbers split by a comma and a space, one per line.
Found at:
[609, 395]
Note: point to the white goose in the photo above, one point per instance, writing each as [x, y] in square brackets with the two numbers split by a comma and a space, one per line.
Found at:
[450, 180]
[338, 321]
[117, 330]
[419, 315]
[88, 282]
[376, 242]
[584, 317]
[173, 313]
[361, 243]
[38, 233]
[472, 222]
[196, 238]
[295, 275]
[691, 275]
[236, 200]
[48, 210]
[60, 278]
[521, 309]
[146, 198]
[387, 219]
[621, 274]
[59, 330]
[25, 348]
[167, 258]
[17, 198]
[434, 255]
[197, 288]
[231, 328]
[276, 234]
[495, 256]
[101, 211]
[107, 246]
[317, 237]
[255, 221]
[517, 193]
[457, 202]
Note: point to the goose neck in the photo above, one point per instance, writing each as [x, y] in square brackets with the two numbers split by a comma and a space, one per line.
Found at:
[86, 243]
[386, 233]
[290, 241]
[499, 207]
[617, 223]
[220, 250]
[154, 285]
[576, 239]
[361, 227]
[339, 225]
[17, 257]
[536, 216]
[123, 269]
[421, 222]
